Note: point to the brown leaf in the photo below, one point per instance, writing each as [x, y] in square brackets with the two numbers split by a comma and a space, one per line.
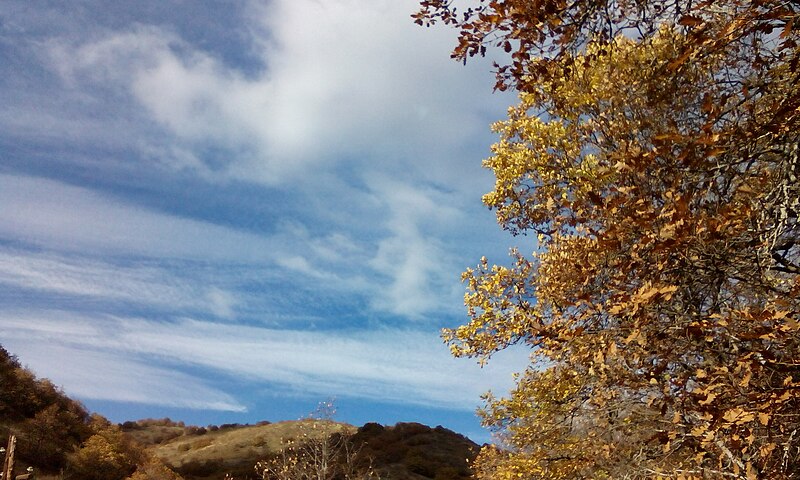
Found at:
[690, 21]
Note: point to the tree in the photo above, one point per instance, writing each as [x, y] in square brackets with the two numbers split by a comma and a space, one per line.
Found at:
[153, 469]
[45, 438]
[323, 451]
[47, 422]
[109, 454]
[328, 457]
[654, 159]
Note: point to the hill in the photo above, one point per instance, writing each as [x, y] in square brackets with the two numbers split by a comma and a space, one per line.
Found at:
[416, 451]
[211, 452]
[406, 451]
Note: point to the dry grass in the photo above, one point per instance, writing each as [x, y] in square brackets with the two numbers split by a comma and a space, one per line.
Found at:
[238, 448]
[156, 434]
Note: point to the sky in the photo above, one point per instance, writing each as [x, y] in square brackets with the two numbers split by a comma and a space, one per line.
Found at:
[230, 211]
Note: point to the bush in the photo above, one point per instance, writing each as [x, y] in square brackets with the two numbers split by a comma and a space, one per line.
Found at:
[199, 468]
[107, 455]
[129, 425]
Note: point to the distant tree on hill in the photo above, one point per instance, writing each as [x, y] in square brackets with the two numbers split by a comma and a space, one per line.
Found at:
[322, 452]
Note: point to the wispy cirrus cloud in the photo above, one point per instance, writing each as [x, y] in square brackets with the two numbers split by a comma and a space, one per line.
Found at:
[388, 365]
[143, 283]
[407, 267]
[63, 217]
[124, 378]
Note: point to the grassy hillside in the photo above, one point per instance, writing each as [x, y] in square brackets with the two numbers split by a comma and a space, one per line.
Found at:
[408, 451]
[205, 453]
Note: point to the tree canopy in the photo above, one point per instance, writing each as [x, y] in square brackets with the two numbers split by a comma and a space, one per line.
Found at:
[651, 169]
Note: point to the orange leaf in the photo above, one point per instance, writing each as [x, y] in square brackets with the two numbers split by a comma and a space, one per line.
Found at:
[763, 418]
[787, 30]
[690, 21]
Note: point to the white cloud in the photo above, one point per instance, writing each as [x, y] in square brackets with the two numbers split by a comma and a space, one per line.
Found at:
[414, 254]
[360, 125]
[402, 366]
[144, 284]
[352, 93]
[346, 81]
[222, 303]
[105, 375]
[67, 218]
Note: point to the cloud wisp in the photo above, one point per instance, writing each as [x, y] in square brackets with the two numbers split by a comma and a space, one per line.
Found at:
[408, 268]
[124, 378]
[387, 365]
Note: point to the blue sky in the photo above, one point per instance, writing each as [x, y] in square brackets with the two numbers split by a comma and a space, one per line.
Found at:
[230, 211]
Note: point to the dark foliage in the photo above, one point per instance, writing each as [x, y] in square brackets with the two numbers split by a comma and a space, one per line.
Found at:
[413, 448]
[47, 423]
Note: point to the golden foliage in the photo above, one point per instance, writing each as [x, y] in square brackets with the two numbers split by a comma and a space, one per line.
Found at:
[106, 455]
[654, 155]
[153, 469]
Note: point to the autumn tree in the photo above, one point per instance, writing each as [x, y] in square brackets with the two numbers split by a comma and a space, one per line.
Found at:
[152, 468]
[46, 438]
[46, 422]
[323, 450]
[652, 169]
[108, 454]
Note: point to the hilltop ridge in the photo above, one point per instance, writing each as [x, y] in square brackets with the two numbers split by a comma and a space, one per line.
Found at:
[404, 451]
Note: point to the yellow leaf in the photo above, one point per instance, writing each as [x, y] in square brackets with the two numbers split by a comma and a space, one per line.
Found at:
[763, 418]
[633, 336]
[738, 416]
[765, 450]
[616, 309]
[746, 380]
[710, 398]
[668, 289]
[751, 472]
